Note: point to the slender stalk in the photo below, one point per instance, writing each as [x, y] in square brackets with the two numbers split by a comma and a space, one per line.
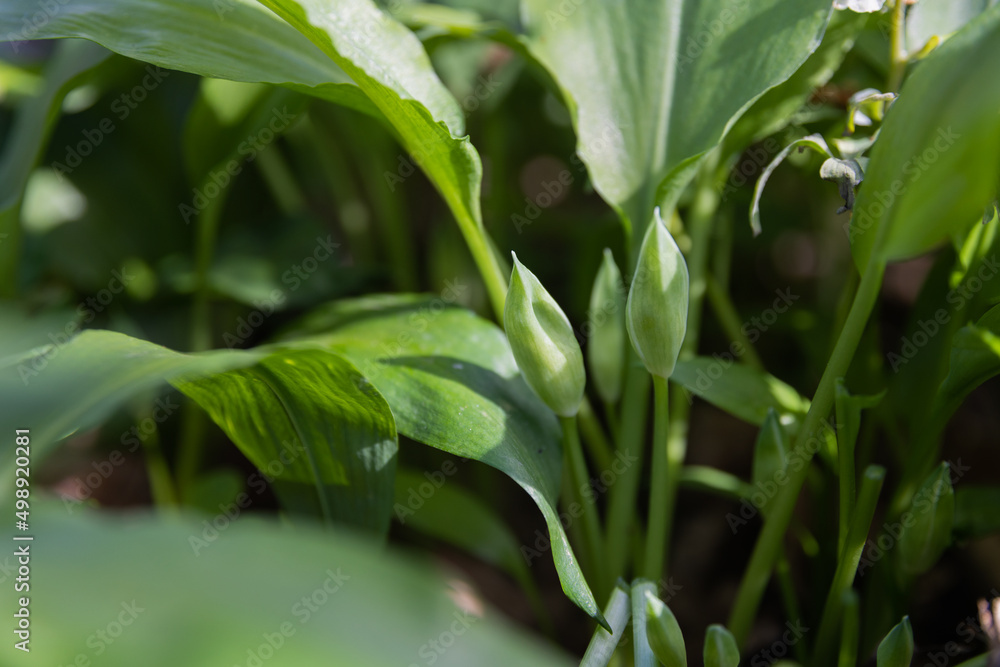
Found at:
[640, 645]
[593, 437]
[193, 419]
[783, 571]
[281, 181]
[724, 309]
[897, 51]
[847, 564]
[592, 533]
[665, 478]
[161, 486]
[848, 656]
[603, 644]
[631, 450]
[780, 508]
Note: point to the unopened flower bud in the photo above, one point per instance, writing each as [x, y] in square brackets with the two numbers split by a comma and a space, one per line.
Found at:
[606, 348]
[544, 346]
[657, 309]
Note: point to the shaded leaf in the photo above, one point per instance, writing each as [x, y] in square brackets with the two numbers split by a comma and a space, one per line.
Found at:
[896, 648]
[813, 141]
[652, 85]
[720, 648]
[309, 418]
[314, 599]
[452, 383]
[934, 166]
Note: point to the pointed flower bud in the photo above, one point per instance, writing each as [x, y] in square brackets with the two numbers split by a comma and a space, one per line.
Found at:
[657, 309]
[933, 508]
[606, 348]
[720, 648]
[544, 346]
[896, 649]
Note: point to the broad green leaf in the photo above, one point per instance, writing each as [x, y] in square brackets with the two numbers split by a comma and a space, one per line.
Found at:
[75, 383]
[258, 594]
[922, 541]
[309, 418]
[224, 39]
[69, 66]
[976, 511]
[776, 108]
[934, 167]
[720, 648]
[741, 391]
[654, 84]
[930, 18]
[896, 648]
[663, 631]
[452, 383]
[389, 64]
[975, 358]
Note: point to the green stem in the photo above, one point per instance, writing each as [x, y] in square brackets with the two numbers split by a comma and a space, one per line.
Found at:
[665, 478]
[603, 644]
[897, 52]
[193, 420]
[161, 486]
[783, 571]
[592, 533]
[724, 309]
[780, 508]
[848, 656]
[631, 450]
[281, 181]
[847, 564]
[593, 436]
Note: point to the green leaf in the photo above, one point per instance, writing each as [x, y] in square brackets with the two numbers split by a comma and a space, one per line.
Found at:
[741, 391]
[930, 18]
[643, 652]
[934, 167]
[309, 418]
[848, 414]
[976, 512]
[76, 383]
[664, 633]
[237, 40]
[776, 108]
[653, 84]
[606, 347]
[69, 66]
[452, 383]
[896, 649]
[389, 64]
[720, 648]
[933, 512]
[974, 359]
[302, 597]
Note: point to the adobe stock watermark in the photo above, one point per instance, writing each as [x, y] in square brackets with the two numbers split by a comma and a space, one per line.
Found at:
[131, 440]
[417, 496]
[87, 310]
[407, 164]
[968, 630]
[753, 329]
[863, 220]
[957, 296]
[257, 482]
[792, 635]
[303, 611]
[247, 151]
[102, 638]
[294, 277]
[923, 502]
[708, 32]
[765, 490]
[31, 24]
[594, 487]
[122, 108]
